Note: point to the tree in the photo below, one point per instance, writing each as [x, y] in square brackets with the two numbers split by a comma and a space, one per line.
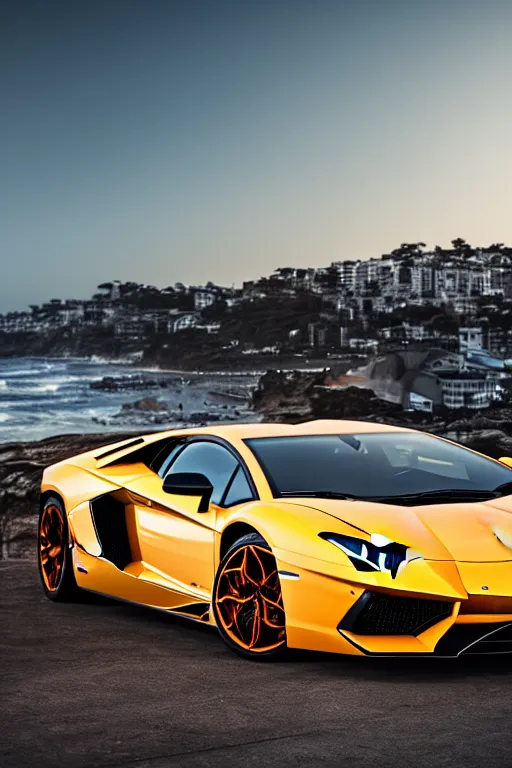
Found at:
[445, 324]
[461, 248]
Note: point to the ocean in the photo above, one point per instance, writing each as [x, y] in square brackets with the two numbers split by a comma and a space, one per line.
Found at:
[40, 398]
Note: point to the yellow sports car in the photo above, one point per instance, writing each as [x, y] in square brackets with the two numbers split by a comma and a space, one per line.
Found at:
[338, 536]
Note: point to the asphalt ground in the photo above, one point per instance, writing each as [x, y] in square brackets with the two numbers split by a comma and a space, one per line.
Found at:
[107, 684]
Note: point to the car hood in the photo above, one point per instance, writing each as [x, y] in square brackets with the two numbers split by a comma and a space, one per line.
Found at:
[474, 532]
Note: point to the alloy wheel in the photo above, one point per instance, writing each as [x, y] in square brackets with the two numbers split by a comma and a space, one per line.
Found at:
[52, 546]
[249, 601]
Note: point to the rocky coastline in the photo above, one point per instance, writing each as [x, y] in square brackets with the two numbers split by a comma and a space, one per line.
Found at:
[21, 469]
[222, 403]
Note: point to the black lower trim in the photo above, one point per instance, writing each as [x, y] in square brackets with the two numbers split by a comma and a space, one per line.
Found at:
[195, 610]
[177, 615]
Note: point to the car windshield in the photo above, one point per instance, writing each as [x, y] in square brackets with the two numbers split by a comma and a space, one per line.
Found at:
[387, 464]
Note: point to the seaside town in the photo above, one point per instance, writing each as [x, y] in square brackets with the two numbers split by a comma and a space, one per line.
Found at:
[422, 327]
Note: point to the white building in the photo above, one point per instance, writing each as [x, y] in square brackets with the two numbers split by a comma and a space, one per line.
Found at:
[346, 274]
[469, 391]
[470, 338]
[184, 322]
[203, 299]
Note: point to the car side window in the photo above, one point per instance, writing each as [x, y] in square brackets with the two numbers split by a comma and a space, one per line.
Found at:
[239, 490]
[210, 459]
[173, 452]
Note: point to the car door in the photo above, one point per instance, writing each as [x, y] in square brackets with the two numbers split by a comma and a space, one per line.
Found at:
[174, 538]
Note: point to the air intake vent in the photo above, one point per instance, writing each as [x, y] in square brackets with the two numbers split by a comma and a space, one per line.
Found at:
[376, 613]
[499, 641]
[110, 520]
[468, 639]
[118, 448]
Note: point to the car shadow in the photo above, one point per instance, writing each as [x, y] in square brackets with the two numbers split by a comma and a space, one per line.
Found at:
[134, 612]
[428, 669]
[397, 669]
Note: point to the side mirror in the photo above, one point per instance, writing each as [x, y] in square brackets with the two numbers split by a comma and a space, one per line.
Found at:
[189, 484]
[506, 460]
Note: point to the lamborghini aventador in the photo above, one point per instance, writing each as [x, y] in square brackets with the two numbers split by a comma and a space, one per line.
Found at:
[338, 536]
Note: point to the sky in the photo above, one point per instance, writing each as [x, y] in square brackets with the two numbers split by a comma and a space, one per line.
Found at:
[193, 140]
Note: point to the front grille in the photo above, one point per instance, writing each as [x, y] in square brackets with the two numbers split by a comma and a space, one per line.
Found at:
[380, 614]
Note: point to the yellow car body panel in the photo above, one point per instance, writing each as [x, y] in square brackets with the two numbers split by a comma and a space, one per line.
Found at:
[175, 550]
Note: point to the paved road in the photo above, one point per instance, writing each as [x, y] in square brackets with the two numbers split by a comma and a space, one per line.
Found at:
[106, 684]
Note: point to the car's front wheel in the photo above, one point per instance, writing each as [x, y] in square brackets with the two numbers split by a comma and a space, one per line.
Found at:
[54, 554]
[247, 600]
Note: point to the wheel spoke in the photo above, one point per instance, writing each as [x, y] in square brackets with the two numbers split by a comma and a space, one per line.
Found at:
[55, 551]
[267, 578]
[247, 578]
[235, 599]
[256, 625]
[273, 604]
[260, 577]
[267, 614]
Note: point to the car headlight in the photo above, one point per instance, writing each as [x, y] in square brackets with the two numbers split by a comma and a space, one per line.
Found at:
[378, 554]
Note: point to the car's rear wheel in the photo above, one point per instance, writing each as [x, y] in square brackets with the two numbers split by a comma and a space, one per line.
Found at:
[247, 600]
[54, 554]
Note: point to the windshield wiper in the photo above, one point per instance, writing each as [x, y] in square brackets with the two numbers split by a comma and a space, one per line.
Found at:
[440, 495]
[318, 495]
[504, 489]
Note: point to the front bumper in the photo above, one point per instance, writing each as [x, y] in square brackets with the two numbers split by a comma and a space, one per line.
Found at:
[338, 615]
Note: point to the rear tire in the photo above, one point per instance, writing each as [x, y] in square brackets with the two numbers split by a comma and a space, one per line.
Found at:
[247, 602]
[54, 554]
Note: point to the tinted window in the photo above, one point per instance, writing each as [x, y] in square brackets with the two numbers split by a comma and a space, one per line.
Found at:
[362, 465]
[239, 490]
[211, 460]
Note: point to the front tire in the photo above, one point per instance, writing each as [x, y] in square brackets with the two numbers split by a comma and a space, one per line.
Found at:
[247, 600]
[54, 554]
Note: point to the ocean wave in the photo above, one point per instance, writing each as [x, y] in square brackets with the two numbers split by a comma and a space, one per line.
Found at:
[36, 389]
[4, 417]
[59, 380]
[98, 360]
[23, 372]
[22, 388]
